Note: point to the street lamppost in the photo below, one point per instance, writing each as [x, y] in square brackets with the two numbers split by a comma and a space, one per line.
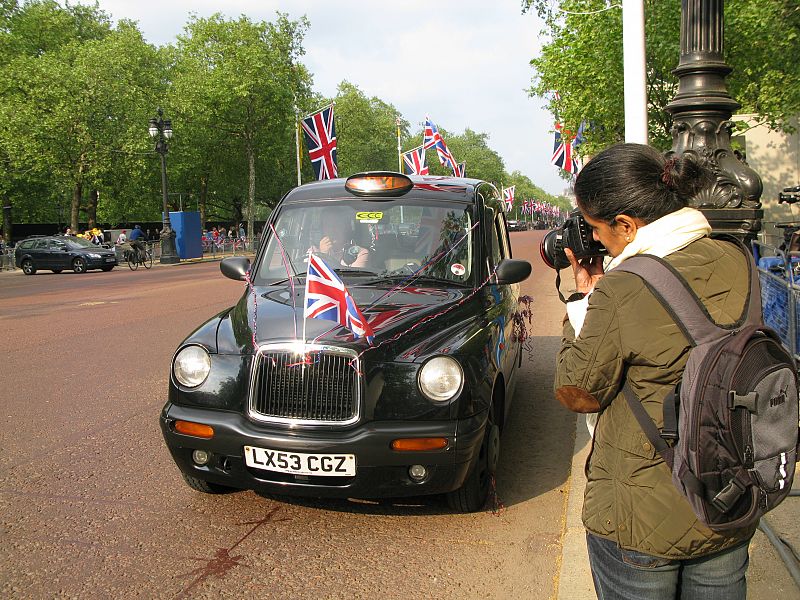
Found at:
[161, 130]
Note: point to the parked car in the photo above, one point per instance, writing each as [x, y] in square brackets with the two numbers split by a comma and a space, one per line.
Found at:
[262, 398]
[57, 253]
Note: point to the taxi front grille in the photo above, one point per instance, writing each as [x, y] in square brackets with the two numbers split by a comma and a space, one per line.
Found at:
[322, 388]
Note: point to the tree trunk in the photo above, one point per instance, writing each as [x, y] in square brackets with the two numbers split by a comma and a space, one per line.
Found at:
[7, 222]
[77, 192]
[91, 209]
[201, 203]
[251, 192]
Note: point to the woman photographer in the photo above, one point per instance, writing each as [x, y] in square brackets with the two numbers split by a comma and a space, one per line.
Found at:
[643, 538]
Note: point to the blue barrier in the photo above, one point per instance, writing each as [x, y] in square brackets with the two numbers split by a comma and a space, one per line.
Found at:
[779, 276]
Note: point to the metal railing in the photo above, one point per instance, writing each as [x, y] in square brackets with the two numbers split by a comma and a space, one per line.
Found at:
[779, 275]
[7, 259]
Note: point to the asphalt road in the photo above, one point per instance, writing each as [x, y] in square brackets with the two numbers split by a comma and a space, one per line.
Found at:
[91, 505]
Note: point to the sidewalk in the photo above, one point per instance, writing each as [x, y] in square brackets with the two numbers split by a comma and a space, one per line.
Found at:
[767, 576]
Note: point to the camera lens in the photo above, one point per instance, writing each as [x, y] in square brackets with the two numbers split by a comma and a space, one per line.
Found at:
[552, 250]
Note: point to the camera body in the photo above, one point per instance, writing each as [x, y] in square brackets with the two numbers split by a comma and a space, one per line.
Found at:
[575, 234]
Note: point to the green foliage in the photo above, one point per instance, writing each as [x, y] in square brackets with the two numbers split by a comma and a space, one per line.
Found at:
[366, 132]
[582, 60]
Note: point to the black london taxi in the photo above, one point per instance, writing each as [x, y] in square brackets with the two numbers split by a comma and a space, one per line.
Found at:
[263, 398]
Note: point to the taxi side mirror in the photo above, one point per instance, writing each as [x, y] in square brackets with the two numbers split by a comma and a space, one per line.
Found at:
[512, 271]
[235, 267]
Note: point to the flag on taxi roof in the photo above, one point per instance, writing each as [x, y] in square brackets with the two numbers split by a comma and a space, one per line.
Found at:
[508, 197]
[320, 133]
[431, 138]
[414, 162]
[328, 298]
[461, 169]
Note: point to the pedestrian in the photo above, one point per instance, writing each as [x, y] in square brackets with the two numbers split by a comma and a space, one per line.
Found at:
[242, 233]
[122, 238]
[644, 540]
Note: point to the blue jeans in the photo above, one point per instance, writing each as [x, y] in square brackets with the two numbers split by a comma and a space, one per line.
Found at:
[629, 575]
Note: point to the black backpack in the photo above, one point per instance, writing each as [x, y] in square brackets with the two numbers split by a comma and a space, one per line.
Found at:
[730, 434]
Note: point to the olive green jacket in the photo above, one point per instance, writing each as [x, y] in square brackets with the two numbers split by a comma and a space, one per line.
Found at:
[627, 334]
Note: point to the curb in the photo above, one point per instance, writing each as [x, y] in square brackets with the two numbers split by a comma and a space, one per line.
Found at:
[575, 578]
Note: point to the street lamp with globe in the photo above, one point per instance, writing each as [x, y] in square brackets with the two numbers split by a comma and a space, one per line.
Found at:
[161, 130]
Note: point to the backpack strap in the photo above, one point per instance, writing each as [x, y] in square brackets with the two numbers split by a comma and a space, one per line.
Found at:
[647, 425]
[676, 296]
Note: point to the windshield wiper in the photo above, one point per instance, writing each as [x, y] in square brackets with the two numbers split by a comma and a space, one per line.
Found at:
[354, 271]
[286, 279]
[414, 279]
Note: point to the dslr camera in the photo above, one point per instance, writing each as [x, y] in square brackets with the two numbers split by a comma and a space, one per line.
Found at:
[575, 234]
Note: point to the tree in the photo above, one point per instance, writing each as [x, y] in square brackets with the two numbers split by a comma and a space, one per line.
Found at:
[366, 132]
[238, 79]
[582, 61]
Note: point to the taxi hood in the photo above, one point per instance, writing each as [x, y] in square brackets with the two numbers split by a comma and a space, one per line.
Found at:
[270, 314]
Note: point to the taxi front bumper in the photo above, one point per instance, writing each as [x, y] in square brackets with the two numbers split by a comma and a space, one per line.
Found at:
[380, 471]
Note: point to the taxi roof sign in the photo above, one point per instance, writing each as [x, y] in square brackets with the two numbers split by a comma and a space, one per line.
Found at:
[378, 184]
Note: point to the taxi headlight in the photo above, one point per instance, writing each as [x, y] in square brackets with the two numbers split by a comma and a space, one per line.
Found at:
[191, 366]
[441, 378]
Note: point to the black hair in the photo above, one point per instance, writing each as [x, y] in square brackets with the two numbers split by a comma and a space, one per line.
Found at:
[638, 181]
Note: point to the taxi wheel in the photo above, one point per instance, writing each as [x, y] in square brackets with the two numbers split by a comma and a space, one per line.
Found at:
[27, 267]
[79, 265]
[471, 496]
[201, 485]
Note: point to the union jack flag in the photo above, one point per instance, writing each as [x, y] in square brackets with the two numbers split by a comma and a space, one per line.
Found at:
[414, 162]
[461, 169]
[320, 133]
[430, 135]
[328, 298]
[431, 138]
[508, 197]
[564, 153]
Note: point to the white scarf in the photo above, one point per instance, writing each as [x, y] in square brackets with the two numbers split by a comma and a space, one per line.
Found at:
[660, 238]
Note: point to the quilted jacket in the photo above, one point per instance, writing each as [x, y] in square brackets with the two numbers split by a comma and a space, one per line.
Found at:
[627, 334]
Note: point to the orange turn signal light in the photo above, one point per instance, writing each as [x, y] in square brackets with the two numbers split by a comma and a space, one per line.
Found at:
[417, 444]
[194, 429]
[383, 183]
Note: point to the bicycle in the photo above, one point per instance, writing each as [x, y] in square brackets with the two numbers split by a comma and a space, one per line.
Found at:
[135, 258]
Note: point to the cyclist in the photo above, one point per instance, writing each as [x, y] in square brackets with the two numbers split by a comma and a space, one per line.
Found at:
[137, 242]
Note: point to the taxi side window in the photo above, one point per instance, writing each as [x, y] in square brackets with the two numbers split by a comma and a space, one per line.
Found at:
[502, 234]
[496, 246]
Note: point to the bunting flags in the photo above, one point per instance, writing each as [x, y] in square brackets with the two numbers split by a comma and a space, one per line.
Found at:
[320, 133]
[328, 298]
[414, 162]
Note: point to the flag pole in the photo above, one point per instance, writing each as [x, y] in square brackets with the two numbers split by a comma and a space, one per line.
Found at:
[297, 142]
[399, 153]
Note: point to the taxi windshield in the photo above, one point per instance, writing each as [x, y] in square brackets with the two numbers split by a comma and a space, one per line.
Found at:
[386, 240]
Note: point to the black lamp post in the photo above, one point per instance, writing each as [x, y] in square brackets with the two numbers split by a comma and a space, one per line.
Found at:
[701, 113]
[161, 131]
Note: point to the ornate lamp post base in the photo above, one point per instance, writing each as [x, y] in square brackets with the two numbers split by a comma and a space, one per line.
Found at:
[169, 252]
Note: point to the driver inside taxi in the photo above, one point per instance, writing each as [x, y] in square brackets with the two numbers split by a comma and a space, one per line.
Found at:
[336, 244]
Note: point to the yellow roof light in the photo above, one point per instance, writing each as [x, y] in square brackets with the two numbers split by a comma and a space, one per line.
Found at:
[379, 183]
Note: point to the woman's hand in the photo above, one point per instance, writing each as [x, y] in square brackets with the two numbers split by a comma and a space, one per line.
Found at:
[326, 245]
[587, 272]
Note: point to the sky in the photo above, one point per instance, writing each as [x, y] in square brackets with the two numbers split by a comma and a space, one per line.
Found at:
[465, 63]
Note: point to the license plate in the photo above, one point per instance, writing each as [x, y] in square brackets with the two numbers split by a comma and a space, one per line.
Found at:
[297, 463]
[111, 260]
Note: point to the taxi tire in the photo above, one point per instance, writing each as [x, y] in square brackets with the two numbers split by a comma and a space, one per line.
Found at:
[28, 267]
[201, 485]
[472, 495]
